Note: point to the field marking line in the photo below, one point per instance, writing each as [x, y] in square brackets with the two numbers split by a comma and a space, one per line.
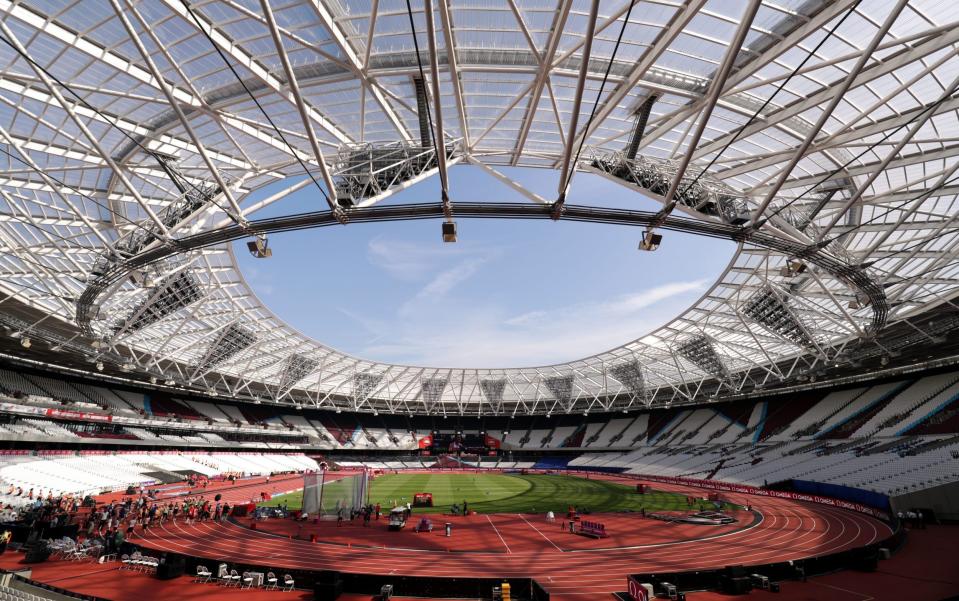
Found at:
[497, 533]
[864, 596]
[540, 533]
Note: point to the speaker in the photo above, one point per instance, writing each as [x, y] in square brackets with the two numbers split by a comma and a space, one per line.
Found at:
[774, 587]
[172, 567]
[327, 592]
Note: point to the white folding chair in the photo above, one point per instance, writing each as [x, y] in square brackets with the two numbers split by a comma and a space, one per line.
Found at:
[270, 583]
[287, 582]
[202, 574]
[247, 580]
[234, 578]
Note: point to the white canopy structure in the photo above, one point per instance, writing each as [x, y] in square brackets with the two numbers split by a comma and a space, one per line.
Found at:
[822, 136]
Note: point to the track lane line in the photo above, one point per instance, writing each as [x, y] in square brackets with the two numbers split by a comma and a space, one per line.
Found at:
[498, 534]
[558, 548]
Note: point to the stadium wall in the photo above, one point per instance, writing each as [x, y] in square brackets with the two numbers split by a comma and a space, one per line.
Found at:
[943, 500]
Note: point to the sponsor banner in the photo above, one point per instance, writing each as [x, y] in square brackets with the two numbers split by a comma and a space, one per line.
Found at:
[82, 415]
[762, 492]
[637, 592]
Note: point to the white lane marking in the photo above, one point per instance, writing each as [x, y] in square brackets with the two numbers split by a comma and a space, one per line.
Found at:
[497, 533]
[540, 533]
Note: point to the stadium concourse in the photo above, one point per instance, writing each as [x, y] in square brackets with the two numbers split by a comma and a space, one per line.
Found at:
[623, 297]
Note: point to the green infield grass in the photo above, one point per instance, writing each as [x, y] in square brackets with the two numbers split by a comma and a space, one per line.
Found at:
[504, 493]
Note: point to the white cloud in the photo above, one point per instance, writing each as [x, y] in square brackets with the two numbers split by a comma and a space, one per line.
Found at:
[473, 335]
[407, 261]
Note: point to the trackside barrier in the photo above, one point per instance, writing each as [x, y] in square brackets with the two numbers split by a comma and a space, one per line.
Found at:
[372, 584]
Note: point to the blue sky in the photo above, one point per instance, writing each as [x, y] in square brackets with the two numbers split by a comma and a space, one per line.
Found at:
[509, 293]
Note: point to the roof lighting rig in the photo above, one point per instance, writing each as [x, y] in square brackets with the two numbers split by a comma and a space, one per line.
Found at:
[770, 307]
[177, 291]
[697, 191]
[231, 341]
[296, 367]
[630, 375]
[700, 351]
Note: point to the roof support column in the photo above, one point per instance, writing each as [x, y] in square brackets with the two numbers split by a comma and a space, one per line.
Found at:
[439, 142]
[837, 96]
[302, 110]
[715, 90]
[564, 176]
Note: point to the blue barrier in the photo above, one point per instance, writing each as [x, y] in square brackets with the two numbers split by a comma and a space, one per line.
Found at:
[846, 493]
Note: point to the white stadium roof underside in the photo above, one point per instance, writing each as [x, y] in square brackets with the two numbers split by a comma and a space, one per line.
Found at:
[821, 136]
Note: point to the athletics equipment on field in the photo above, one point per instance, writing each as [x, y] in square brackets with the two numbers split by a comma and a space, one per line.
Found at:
[328, 495]
[423, 499]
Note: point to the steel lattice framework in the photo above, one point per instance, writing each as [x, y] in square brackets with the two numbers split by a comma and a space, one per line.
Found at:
[821, 136]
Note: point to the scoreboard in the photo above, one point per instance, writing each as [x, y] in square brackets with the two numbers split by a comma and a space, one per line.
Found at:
[459, 443]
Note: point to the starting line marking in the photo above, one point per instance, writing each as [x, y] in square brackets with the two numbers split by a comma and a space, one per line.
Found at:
[497, 533]
[540, 533]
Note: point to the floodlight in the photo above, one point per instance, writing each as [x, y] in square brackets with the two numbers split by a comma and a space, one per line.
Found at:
[25, 343]
[449, 231]
[860, 301]
[651, 240]
[260, 248]
[99, 365]
[792, 268]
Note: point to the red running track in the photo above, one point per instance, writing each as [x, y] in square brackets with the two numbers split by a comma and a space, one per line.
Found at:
[245, 490]
[789, 530]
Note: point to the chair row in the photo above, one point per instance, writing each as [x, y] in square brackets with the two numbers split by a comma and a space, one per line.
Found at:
[230, 577]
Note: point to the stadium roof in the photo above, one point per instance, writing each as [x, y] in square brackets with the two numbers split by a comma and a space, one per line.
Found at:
[821, 136]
